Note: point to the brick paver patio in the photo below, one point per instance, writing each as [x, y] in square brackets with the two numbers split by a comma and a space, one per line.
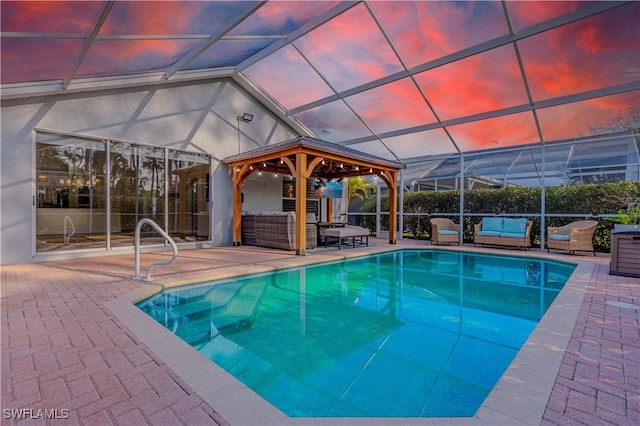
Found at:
[64, 352]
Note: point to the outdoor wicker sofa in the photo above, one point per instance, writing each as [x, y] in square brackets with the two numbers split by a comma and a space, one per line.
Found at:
[503, 232]
[275, 230]
[444, 231]
[575, 236]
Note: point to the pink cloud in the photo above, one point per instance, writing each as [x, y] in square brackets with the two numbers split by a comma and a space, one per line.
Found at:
[484, 82]
[510, 130]
[392, 106]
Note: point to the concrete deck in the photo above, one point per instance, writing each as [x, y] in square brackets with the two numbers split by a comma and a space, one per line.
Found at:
[73, 348]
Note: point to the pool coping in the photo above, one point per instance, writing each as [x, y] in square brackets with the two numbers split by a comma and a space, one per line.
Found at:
[519, 397]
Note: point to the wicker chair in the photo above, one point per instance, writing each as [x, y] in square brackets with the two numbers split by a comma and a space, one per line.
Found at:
[444, 231]
[575, 236]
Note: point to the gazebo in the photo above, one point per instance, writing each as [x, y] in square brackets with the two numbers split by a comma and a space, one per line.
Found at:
[304, 158]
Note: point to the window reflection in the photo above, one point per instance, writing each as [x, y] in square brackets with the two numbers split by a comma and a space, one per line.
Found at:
[189, 204]
[81, 206]
[137, 187]
[71, 196]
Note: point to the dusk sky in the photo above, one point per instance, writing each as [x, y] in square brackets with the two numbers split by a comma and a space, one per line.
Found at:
[435, 65]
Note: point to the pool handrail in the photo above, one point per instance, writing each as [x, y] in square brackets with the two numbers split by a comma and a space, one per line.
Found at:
[67, 238]
[137, 249]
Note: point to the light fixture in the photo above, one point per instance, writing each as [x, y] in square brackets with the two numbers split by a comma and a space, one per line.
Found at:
[246, 117]
[42, 177]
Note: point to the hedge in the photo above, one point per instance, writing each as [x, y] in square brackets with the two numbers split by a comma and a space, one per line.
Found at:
[588, 200]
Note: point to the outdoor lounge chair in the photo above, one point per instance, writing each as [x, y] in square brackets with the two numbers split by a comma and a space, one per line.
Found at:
[575, 236]
[444, 231]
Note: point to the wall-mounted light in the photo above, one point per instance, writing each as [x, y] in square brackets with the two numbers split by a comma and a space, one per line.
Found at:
[245, 118]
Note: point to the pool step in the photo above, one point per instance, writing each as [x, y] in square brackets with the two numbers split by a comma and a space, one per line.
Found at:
[241, 309]
[228, 306]
[218, 297]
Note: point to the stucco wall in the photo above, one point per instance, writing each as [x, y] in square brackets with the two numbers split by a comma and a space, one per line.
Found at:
[197, 117]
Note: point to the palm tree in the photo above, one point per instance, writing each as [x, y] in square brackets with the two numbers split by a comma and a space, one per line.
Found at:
[360, 188]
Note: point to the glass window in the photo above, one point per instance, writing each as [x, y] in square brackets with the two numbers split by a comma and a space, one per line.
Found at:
[70, 193]
[137, 190]
[189, 204]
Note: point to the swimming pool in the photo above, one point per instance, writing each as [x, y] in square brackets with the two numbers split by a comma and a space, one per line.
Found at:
[404, 334]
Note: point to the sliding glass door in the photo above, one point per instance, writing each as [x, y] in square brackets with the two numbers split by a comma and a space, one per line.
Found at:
[70, 193]
[91, 193]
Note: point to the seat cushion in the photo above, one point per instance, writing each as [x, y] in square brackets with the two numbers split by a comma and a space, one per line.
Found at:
[492, 224]
[488, 233]
[512, 235]
[559, 237]
[514, 226]
[447, 232]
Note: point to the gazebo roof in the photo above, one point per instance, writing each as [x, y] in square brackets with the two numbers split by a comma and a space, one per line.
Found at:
[304, 158]
[338, 161]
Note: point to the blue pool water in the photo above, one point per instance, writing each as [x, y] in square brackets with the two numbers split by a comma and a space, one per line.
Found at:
[412, 333]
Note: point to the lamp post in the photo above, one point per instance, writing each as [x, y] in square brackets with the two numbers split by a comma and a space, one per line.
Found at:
[246, 118]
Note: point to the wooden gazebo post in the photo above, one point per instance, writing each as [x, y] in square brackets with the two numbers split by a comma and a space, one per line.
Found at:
[240, 174]
[390, 177]
[301, 202]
